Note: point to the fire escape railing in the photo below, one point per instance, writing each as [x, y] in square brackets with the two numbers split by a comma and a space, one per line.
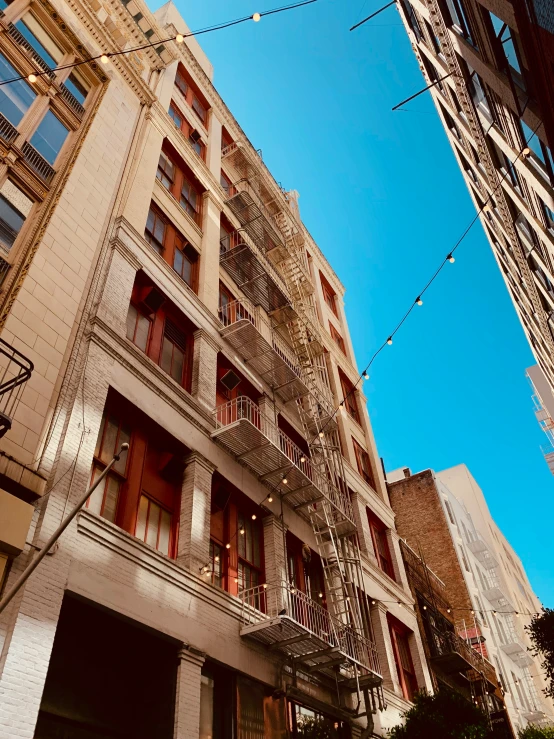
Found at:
[15, 370]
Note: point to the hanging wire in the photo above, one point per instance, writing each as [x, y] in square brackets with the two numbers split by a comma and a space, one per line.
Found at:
[104, 57]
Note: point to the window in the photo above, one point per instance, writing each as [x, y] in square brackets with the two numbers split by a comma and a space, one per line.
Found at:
[412, 19]
[404, 666]
[166, 171]
[305, 722]
[449, 511]
[49, 137]
[193, 96]
[364, 464]
[174, 349]
[30, 28]
[153, 525]
[189, 199]
[235, 520]
[11, 219]
[500, 674]
[380, 544]
[459, 19]
[185, 261]
[478, 93]
[142, 491]
[506, 47]
[180, 182]
[451, 124]
[329, 295]
[193, 136]
[15, 98]
[77, 87]
[464, 560]
[249, 542]
[138, 328]
[337, 338]
[155, 229]
[226, 184]
[113, 432]
[540, 152]
[162, 235]
[350, 399]
[436, 44]
[161, 331]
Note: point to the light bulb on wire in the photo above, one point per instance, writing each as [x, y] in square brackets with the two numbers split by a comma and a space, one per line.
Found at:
[256, 17]
[389, 340]
[450, 258]
[228, 545]
[365, 376]
[302, 459]
[419, 301]
[104, 59]
[270, 498]
[179, 38]
[321, 434]
[32, 78]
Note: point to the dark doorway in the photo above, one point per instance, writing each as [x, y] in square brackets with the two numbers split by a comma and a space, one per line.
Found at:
[108, 677]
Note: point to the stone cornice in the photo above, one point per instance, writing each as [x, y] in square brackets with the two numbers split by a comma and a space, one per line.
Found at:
[205, 336]
[196, 457]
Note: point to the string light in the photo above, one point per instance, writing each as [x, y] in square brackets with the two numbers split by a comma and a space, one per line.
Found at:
[321, 595]
[228, 545]
[321, 434]
[270, 498]
[419, 301]
[449, 610]
[241, 531]
[32, 78]
[389, 340]
[178, 38]
[302, 459]
[526, 152]
[216, 558]
[254, 517]
[373, 603]
[451, 258]
[365, 376]
[264, 586]
[285, 481]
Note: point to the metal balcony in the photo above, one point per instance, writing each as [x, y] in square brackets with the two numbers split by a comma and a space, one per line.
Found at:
[286, 620]
[495, 592]
[514, 647]
[453, 654]
[37, 162]
[15, 370]
[259, 443]
[255, 218]
[481, 550]
[8, 133]
[262, 349]
[253, 273]
[72, 101]
[29, 51]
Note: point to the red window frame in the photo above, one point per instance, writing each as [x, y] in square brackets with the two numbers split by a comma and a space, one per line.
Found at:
[183, 185]
[193, 97]
[381, 547]
[227, 185]
[337, 338]
[172, 245]
[163, 326]
[363, 462]
[143, 473]
[399, 635]
[349, 395]
[193, 136]
[329, 295]
[231, 513]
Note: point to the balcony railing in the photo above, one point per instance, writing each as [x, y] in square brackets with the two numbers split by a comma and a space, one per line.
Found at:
[37, 162]
[495, 591]
[514, 646]
[15, 370]
[253, 272]
[260, 444]
[8, 133]
[481, 550]
[72, 101]
[288, 620]
[29, 51]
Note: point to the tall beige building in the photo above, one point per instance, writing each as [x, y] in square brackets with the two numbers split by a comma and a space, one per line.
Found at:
[238, 572]
[492, 67]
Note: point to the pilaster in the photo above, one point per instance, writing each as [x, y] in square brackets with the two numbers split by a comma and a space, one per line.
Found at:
[209, 262]
[213, 155]
[384, 647]
[187, 694]
[193, 546]
[275, 562]
[204, 369]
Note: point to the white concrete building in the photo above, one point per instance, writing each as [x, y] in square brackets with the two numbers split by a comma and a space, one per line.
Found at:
[238, 572]
[501, 595]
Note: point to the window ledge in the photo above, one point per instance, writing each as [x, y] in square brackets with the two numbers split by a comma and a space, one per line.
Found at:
[112, 537]
[190, 221]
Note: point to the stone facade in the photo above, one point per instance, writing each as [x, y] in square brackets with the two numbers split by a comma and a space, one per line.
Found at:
[85, 276]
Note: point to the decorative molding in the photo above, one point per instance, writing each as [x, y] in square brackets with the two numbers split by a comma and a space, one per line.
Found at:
[191, 654]
[21, 267]
[202, 335]
[197, 458]
[126, 253]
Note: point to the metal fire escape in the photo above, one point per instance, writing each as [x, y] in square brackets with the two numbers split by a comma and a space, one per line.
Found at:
[15, 370]
[271, 224]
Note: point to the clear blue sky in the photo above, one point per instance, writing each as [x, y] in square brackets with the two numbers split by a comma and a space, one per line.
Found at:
[383, 197]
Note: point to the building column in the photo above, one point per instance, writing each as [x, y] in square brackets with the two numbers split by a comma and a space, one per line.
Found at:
[29, 623]
[393, 541]
[213, 154]
[187, 694]
[362, 525]
[383, 642]
[208, 282]
[421, 668]
[268, 410]
[275, 563]
[204, 369]
[193, 547]
[118, 286]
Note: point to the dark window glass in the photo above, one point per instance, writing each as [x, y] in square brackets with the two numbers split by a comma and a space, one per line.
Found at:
[507, 47]
[189, 199]
[176, 116]
[540, 151]
[138, 328]
[549, 216]
[155, 230]
[11, 221]
[412, 19]
[199, 109]
[174, 347]
[49, 137]
[459, 19]
[15, 98]
[166, 171]
[76, 88]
